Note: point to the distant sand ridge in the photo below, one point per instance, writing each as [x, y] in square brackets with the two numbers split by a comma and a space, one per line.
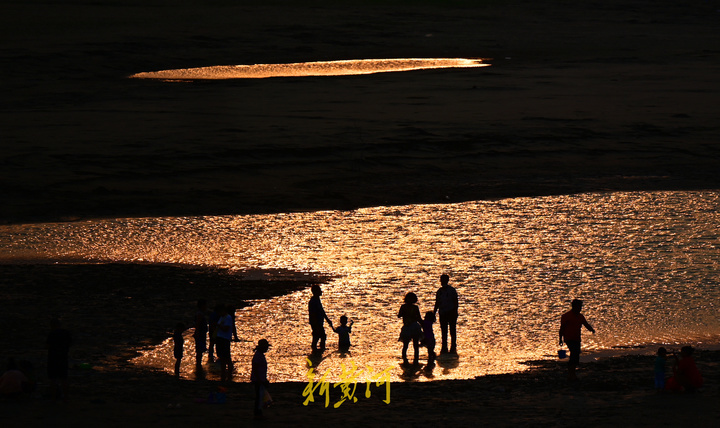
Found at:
[316, 68]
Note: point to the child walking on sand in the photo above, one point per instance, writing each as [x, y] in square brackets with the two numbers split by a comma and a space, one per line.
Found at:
[343, 332]
[258, 375]
[178, 342]
[429, 335]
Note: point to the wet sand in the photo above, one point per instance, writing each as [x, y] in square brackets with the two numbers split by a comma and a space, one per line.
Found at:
[579, 97]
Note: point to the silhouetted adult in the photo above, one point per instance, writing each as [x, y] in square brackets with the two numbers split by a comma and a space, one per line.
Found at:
[58, 345]
[411, 329]
[222, 343]
[570, 325]
[317, 318]
[446, 303]
[201, 332]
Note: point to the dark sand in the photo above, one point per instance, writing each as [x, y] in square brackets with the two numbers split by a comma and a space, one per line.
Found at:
[581, 96]
[611, 95]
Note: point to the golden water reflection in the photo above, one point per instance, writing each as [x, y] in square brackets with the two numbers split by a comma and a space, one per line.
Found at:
[317, 68]
[646, 263]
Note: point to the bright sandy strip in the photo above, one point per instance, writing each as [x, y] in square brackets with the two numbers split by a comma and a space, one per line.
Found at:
[319, 68]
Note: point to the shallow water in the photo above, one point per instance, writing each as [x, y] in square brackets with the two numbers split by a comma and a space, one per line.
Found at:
[646, 264]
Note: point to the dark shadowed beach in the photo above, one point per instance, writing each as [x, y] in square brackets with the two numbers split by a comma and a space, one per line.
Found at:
[579, 97]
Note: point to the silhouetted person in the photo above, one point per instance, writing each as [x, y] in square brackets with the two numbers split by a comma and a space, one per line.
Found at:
[411, 329]
[660, 361]
[429, 335]
[58, 345]
[178, 342]
[258, 375]
[222, 342]
[446, 303]
[213, 318]
[570, 325]
[200, 334]
[685, 373]
[317, 318]
[343, 333]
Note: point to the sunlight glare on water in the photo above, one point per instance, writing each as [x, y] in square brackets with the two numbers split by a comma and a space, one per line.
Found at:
[646, 264]
[317, 68]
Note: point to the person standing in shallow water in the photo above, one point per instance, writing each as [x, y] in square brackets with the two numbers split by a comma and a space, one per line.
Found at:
[178, 344]
[317, 317]
[570, 326]
[343, 333]
[200, 333]
[446, 302]
[222, 343]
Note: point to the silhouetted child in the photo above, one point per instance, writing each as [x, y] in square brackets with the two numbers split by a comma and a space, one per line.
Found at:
[343, 332]
[429, 335]
[258, 375]
[178, 342]
[411, 329]
[685, 373]
[660, 368]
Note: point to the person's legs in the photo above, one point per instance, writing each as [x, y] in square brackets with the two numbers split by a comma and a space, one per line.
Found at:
[258, 399]
[452, 325]
[416, 349]
[431, 351]
[224, 357]
[318, 335]
[199, 350]
[404, 350]
[323, 337]
[574, 347]
[315, 339]
[444, 333]
[211, 350]
[58, 376]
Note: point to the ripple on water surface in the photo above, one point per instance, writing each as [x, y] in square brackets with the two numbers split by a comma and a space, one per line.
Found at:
[646, 263]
